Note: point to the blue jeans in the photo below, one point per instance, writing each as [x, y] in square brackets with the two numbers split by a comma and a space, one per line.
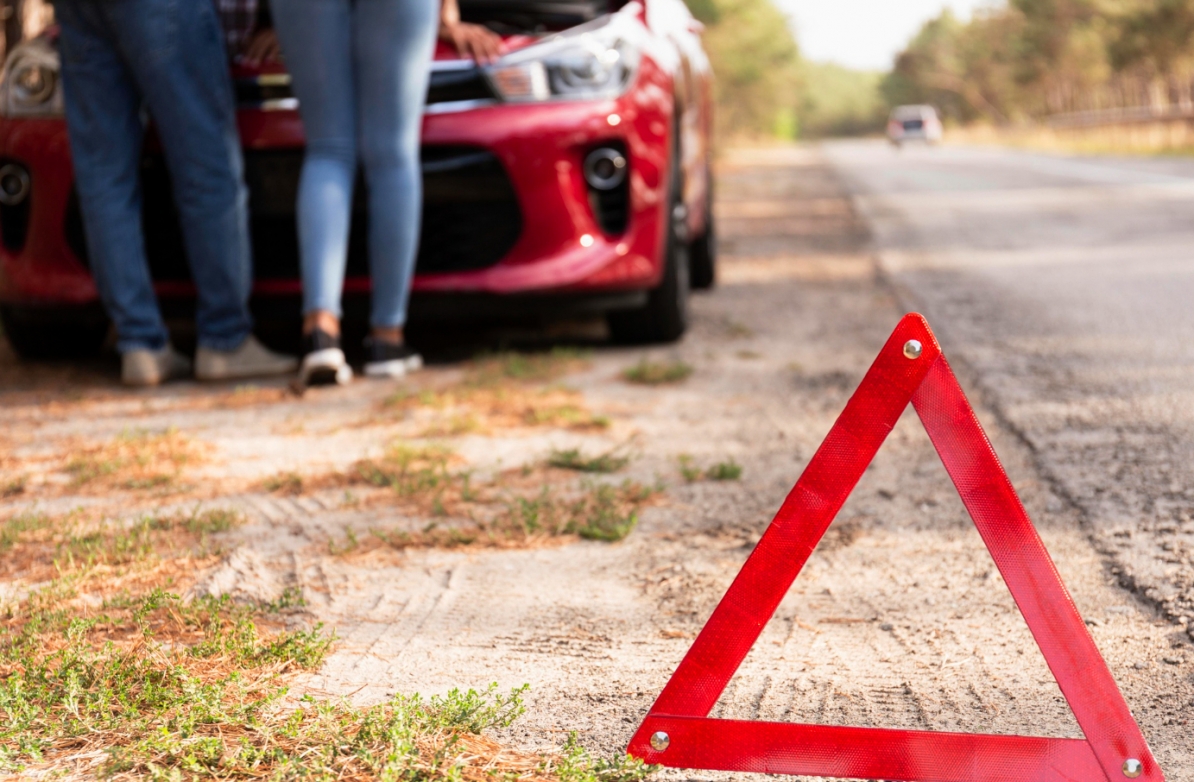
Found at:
[360, 70]
[168, 56]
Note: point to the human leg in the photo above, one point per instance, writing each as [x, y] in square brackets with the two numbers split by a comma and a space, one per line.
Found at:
[316, 39]
[393, 45]
[176, 54]
[104, 126]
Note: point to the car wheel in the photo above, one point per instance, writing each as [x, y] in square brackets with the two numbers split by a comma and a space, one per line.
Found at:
[702, 252]
[54, 332]
[665, 317]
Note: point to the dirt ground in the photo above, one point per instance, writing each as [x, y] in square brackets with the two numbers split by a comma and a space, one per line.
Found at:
[900, 618]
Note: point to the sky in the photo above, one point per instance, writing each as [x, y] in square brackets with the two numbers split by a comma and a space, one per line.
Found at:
[864, 34]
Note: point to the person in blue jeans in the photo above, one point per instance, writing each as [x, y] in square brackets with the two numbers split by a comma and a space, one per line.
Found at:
[168, 58]
[360, 70]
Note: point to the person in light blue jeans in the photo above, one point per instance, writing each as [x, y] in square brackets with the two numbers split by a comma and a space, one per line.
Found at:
[167, 57]
[360, 70]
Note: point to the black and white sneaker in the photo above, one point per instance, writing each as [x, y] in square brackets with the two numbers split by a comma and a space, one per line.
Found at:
[323, 361]
[390, 359]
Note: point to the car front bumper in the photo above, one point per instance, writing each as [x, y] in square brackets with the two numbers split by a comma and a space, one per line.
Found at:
[536, 150]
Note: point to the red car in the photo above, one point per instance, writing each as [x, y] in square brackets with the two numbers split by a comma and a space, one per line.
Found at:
[571, 176]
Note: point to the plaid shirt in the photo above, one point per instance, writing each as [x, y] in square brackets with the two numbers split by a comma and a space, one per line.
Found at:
[239, 19]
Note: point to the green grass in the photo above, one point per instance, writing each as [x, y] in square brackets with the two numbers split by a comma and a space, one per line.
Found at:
[152, 687]
[724, 471]
[656, 373]
[573, 459]
[728, 470]
[493, 368]
[412, 472]
[601, 511]
[13, 528]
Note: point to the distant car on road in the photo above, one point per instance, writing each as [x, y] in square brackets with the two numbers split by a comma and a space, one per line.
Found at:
[571, 176]
[914, 123]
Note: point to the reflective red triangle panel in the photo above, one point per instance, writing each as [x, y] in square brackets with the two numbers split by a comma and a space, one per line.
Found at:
[910, 368]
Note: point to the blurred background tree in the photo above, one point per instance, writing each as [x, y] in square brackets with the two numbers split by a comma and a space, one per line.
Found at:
[757, 64]
[1029, 59]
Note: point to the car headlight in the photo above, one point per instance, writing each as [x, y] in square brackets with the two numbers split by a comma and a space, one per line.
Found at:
[31, 86]
[593, 61]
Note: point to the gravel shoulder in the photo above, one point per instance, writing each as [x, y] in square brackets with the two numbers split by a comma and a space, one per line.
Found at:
[900, 618]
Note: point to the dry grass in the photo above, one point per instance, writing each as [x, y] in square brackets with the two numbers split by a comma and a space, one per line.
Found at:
[521, 507]
[656, 373]
[135, 460]
[501, 391]
[36, 547]
[114, 676]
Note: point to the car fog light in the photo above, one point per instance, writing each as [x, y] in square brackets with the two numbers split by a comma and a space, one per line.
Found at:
[34, 83]
[14, 184]
[605, 168]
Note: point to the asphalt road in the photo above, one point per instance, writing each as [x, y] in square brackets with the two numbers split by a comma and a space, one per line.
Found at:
[1064, 286]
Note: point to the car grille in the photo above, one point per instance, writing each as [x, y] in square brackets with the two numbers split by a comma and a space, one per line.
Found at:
[447, 85]
[471, 217]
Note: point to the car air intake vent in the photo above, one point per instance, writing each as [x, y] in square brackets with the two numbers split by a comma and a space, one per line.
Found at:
[458, 84]
[471, 217]
[450, 84]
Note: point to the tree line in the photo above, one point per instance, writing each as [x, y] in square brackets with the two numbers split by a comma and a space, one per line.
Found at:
[1030, 59]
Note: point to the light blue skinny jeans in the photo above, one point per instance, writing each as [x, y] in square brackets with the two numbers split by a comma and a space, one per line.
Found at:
[166, 56]
[360, 71]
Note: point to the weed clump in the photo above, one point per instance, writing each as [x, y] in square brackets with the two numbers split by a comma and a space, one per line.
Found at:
[728, 470]
[573, 459]
[655, 373]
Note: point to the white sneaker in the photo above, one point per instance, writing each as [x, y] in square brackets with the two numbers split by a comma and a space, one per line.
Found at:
[251, 359]
[146, 367]
[390, 359]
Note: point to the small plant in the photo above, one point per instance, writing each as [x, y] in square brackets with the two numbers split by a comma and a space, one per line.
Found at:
[724, 471]
[524, 367]
[728, 470]
[573, 459]
[14, 487]
[286, 482]
[655, 373]
[13, 528]
[351, 543]
[688, 471]
[412, 472]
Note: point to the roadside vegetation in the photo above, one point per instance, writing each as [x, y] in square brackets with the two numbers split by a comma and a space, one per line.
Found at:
[517, 507]
[500, 391]
[574, 459]
[134, 460]
[648, 372]
[728, 470]
[106, 671]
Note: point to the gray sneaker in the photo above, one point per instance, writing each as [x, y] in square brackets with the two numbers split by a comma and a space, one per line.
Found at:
[251, 359]
[150, 367]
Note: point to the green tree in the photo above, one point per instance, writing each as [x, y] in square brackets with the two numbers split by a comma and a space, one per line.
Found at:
[756, 64]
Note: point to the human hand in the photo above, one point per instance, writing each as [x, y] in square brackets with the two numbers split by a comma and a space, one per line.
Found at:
[472, 40]
[263, 48]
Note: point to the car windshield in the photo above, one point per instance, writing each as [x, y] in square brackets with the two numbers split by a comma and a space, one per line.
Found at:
[531, 16]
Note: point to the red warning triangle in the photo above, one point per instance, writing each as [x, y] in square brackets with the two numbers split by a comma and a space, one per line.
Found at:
[911, 368]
